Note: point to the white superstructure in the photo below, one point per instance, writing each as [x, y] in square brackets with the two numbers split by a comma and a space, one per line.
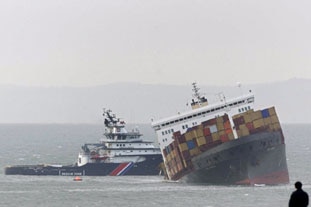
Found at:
[201, 111]
[118, 145]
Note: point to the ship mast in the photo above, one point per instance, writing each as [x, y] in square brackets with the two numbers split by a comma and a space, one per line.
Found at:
[198, 100]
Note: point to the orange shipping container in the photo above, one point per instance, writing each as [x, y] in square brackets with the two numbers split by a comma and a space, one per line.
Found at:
[224, 138]
[227, 125]
[229, 131]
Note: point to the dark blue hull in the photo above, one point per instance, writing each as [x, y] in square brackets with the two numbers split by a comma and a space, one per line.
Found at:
[150, 166]
[255, 159]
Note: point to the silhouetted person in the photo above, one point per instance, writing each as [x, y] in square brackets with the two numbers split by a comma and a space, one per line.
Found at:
[299, 198]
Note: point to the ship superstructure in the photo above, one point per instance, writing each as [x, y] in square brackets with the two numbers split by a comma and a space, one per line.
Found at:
[201, 111]
[119, 153]
[118, 145]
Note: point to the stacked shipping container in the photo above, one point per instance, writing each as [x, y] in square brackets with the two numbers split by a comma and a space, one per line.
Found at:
[252, 122]
[196, 140]
[211, 133]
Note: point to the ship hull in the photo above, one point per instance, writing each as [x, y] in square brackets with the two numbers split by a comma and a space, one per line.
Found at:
[254, 159]
[150, 166]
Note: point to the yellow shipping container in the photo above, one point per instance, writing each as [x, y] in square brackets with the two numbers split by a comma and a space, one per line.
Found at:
[256, 115]
[168, 157]
[199, 132]
[272, 111]
[183, 147]
[258, 123]
[189, 135]
[248, 118]
[200, 127]
[222, 132]
[274, 119]
[244, 130]
[201, 140]
[194, 151]
[220, 120]
[220, 126]
[215, 136]
[231, 136]
[267, 121]
[236, 116]
[276, 126]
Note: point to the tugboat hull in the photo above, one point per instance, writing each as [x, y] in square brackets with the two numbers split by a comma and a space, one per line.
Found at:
[150, 166]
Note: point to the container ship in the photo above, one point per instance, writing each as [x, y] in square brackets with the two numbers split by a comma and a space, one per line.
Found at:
[227, 143]
[119, 153]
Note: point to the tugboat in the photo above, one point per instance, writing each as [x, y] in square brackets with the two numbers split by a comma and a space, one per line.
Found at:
[227, 142]
[119, 153]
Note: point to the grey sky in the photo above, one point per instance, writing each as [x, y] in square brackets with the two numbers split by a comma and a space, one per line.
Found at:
[83, 43]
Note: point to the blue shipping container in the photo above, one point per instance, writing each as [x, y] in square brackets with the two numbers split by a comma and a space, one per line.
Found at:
[190, 144]
[265, 113]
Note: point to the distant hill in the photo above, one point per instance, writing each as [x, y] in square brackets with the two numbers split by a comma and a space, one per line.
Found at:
[138, 103]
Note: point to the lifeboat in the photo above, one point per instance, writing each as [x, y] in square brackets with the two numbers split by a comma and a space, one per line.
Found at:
[77, 178]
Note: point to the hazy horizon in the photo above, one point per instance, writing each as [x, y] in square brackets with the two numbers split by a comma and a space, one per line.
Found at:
[139, 103]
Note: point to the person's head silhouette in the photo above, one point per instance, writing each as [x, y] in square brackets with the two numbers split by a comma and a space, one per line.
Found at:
[298, 185]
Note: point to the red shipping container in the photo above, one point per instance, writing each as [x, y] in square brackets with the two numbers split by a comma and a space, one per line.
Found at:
[250, 126]
[229, 131]
[209, 139]
[185, 155]
[238, 121]
[206, 131]
[203, 147]
[225, 117]
[176, 135]
[209, 122]
[224, 138]
[227, 124]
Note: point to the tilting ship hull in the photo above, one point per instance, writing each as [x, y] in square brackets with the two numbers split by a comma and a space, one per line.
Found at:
[150, 166]
[255, 159]
[223, 143]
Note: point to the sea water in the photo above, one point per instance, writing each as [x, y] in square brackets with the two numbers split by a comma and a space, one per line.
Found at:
[60, 144]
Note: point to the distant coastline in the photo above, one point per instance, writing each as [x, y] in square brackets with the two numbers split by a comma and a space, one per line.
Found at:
[139, 102]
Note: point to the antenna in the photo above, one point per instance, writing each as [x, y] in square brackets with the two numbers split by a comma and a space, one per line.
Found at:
[198, 101]
[196, 90]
